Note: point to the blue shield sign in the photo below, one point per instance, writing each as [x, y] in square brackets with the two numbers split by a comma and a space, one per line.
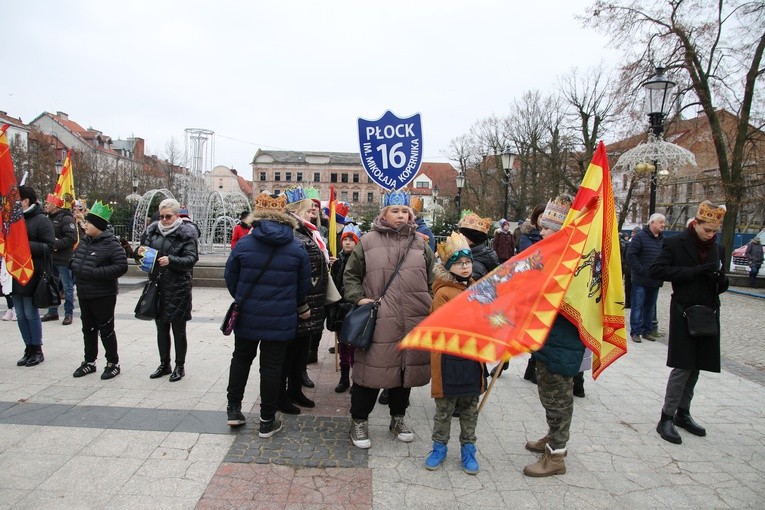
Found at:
[391, 149]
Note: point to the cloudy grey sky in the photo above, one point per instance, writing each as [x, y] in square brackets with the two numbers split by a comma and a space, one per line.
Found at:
[290, 75]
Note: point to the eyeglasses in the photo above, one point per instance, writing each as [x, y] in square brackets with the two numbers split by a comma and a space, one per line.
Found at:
[464, 263]
[166, 216]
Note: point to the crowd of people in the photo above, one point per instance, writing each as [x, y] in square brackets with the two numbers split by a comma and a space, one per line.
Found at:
[288, 286]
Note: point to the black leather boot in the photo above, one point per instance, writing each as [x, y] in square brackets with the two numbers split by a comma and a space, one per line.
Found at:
[667, 430]
[683, 420]
[37, 356]
[27, 354]
[162, 369]
[295, 392]
[178, 373]
[345, 381]
[307, 382]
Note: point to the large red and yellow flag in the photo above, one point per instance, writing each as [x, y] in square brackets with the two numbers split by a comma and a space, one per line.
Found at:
[65, 184]
[14, 243]
[594, 302]
[511, 310]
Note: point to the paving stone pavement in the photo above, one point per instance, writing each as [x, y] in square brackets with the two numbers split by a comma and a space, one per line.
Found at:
[133, 442]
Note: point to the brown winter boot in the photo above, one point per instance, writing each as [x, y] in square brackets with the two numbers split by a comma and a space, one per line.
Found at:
[550, 464]
[538, 446]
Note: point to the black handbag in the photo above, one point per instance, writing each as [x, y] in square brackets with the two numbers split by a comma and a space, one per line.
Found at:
[147, 307]
[232, 314]
[359, 324]
[46, 293]
[701, 321]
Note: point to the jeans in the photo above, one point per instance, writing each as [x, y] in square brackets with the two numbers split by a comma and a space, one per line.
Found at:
[643, 309]
[66, 280]
[753, 270]
[271, 360]
[28, 319]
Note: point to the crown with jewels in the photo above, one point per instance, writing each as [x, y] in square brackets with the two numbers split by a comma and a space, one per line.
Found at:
[265, 202]
[455, 246]
[396, 197]
[295, 194]
[101, 210]
[351, 230]
[710, 213]
[474, 222]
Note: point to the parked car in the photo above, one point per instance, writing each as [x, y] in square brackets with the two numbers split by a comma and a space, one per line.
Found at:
[738, 262]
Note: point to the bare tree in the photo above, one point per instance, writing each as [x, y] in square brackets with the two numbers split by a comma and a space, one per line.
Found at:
[717, 47]
[174, 157]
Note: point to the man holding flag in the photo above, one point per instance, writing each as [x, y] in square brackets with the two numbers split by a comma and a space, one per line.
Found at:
[63, 249]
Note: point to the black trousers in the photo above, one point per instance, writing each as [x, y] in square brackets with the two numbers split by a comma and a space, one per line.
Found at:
[163, 341]
[295, 362]
[271, 360]
[363, 401]
[97, 317]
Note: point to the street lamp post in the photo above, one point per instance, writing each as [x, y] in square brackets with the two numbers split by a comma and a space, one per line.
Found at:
[508, 159]
[435, 204]
[458, 198]
[657, 89]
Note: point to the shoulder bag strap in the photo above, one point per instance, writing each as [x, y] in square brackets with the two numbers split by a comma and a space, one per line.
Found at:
[262, 271]
[398, 266]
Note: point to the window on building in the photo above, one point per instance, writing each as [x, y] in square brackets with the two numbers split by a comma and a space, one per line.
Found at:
[300, 177]
[277, 176]
[688, 191]
[344, 196]
[355, 196]
[356, 177]
[263, 176]
[634, 215]
[370, 197]
[288, 176]
[332, 177]
[344, 177]
[316, 177]
[421, 184]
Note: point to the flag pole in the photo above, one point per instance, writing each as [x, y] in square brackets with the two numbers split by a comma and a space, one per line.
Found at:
[494, 378]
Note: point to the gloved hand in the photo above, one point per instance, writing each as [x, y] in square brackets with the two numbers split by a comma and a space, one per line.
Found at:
[709, 267]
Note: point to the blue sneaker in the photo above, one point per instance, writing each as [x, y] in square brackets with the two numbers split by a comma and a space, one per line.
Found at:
[436, 457]
[469, 464]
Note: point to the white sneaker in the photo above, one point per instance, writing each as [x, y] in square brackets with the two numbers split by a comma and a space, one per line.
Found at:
[10, 315]
[400, 429]
[360, 434]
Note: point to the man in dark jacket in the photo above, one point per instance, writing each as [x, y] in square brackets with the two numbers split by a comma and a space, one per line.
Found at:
[97, 264]
[63, 249]
[754, 258]
[268, 274]
[693, 262]
[41, 238]
[645, 290]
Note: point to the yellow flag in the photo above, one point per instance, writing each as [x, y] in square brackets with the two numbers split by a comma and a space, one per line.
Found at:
[65, 185]
[594, 301]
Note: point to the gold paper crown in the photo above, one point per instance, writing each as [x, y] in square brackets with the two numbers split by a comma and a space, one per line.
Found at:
[555, 213]
[455, 243]
[265, 202]
[710, 213]
[475, 222]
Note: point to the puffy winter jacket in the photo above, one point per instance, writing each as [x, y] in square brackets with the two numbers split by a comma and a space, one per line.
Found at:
[175, 279]
[41, 238]
[563, 350]
[641, 252]
[484, 260]
[318, 291]
[452, 376]
[336, 312]
[270, 312]
[66, 236]
[97, 264]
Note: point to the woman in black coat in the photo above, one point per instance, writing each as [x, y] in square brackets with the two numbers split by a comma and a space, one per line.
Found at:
[693, 262]
[41, 238]
[175, 240]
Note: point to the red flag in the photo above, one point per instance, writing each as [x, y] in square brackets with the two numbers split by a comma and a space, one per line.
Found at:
[511, 309]
[14, 243]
